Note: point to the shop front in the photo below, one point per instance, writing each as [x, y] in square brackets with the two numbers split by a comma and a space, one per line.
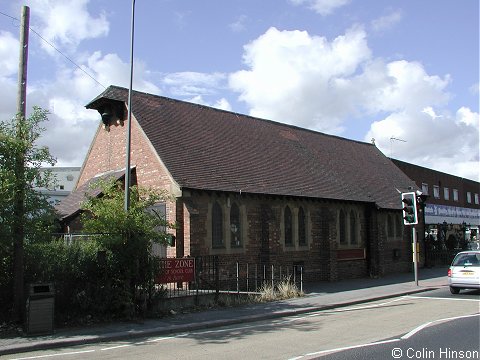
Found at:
[451, 228]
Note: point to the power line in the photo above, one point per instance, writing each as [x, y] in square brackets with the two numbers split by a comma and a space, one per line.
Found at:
[57, 50]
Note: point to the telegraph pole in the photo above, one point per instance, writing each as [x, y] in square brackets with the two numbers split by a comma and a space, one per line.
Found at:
[129, 116]
[19, 202]
[23, 60]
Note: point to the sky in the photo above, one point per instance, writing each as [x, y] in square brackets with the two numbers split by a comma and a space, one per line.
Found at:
[404, 73]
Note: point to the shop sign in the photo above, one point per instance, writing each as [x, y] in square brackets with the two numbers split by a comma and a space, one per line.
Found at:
[451, 214]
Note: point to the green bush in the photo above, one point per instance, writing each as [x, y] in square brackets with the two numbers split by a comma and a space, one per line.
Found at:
[73, 269]
[89, 282]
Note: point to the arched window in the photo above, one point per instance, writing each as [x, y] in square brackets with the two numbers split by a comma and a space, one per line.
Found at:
[353, 228]
[302, 227]
[342, 225]
[390, 228]
[217, 225]
[288, 226]
[235, 229]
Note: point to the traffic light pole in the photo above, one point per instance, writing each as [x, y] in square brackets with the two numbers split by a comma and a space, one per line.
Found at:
[415, 254]
[410, 218]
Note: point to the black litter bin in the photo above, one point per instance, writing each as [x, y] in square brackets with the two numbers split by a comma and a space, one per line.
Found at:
[40, 309]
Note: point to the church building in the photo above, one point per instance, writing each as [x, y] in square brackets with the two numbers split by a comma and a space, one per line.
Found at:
[254, 190]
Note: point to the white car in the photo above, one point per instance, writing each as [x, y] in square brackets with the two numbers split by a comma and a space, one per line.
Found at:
[464, 273]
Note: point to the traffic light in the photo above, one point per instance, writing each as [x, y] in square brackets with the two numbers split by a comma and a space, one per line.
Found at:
[409, 201]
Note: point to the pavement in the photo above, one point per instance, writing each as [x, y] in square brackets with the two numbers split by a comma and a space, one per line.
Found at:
[318, 296]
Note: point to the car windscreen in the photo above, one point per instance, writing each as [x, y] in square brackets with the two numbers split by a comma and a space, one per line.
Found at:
[467, 260]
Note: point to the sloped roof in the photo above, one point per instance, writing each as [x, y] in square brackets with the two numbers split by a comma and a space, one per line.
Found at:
[211, 149]
[71, 204]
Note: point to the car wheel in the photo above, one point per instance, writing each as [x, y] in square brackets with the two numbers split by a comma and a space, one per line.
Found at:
[454, 290]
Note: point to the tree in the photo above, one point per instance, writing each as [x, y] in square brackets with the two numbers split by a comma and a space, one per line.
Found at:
[25, 214]
[127, 237]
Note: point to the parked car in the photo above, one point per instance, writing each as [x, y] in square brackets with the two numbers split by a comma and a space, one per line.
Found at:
[464, 273]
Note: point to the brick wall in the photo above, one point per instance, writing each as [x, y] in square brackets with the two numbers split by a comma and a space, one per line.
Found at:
[396, 252]
[108, 152]
[263, 242]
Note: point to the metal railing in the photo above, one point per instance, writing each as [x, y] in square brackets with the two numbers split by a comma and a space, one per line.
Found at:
[234, 278]
[440, 257]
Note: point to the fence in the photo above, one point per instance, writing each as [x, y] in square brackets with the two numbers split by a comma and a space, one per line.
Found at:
[71, 238]
[440, 257]
[211, 276]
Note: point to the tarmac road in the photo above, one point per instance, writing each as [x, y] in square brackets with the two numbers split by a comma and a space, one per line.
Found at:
[305, 336]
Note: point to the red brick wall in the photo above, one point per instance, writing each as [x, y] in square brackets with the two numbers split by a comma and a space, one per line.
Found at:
[108, 153]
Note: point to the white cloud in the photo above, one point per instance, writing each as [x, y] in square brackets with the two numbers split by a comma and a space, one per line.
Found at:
[70, 130]
[8, 100]
[66, 23]
[311, 82]
[8, 55]
[399, 85]
[429, 111]
[221, 104]
[475, 88]
[308, 81]
[71, 127]
[467, 117]
[322, 7]
[386, 22]
[291, 76]
[190, 83]
[239, 24]
[8, 74]
[443, 142]
[109, 69]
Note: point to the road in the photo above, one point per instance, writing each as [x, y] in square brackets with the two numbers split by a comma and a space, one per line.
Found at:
[341, 333]
[453, 339]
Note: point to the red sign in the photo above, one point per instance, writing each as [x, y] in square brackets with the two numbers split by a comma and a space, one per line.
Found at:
[176, 270]
[351, 254]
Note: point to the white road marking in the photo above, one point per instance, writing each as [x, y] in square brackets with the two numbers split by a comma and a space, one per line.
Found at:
[57, 354]
[329, 311]
[166, 338]
[144, 342]
[440, 298]
[115, 347]
[323, 352]
[404, 337]
[418, 328]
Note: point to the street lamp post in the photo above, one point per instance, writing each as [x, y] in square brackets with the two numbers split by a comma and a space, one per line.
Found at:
[129, 117]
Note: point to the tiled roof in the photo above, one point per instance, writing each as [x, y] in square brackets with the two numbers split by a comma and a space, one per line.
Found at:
[71, 205]
[211, 149]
